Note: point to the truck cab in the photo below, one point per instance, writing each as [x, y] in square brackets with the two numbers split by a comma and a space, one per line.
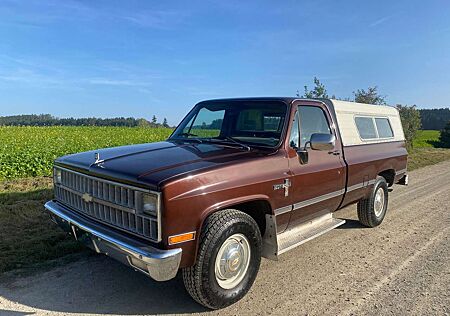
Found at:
[238, 179]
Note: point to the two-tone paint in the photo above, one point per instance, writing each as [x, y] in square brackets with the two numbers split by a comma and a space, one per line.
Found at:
[197, 179]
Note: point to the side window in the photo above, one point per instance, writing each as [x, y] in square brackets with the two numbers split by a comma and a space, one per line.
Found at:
[293, 139]
[384, 128]
[366, 128]
[312, 120]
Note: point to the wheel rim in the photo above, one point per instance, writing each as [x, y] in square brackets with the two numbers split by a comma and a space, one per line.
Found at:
[379, 202]
[232, 261]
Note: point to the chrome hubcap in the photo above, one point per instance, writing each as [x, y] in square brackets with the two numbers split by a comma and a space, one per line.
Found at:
[232, 261]
[379, 202]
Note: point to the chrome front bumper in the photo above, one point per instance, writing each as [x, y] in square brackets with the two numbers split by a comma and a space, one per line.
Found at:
[160, 265]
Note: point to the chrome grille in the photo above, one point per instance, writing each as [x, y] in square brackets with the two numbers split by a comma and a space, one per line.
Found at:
[108, 202]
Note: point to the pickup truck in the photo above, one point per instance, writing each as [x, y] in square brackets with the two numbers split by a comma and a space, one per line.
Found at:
[238, 179]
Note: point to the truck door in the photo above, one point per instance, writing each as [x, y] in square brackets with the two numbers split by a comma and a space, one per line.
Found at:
[317, 186]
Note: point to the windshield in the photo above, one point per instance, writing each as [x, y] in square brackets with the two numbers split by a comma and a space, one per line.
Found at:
[239, 122]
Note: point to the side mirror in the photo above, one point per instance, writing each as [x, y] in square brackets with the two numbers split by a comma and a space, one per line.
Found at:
[320, 141]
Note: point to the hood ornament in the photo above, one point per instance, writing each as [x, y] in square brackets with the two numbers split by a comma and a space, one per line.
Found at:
[97, 159]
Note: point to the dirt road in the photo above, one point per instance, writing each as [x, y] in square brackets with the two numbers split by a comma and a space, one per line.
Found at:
[401, 267]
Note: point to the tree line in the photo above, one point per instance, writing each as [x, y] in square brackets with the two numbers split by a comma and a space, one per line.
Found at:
[434, 118]
[50, 120]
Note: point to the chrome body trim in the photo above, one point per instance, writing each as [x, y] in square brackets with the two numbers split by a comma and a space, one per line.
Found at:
[282, 210]
[361, 185]
[318, 199]
[105, 180]
[160, 265]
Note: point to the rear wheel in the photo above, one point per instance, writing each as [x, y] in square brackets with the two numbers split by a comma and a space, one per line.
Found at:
[228, 259]
[371, 211]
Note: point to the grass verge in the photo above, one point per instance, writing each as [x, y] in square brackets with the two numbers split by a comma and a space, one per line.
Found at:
[28, 238]
[421, 157]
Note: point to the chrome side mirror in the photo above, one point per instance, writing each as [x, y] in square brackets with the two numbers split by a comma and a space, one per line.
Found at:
[320, 141]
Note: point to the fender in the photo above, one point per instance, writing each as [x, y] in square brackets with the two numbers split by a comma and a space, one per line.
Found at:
[223, 205]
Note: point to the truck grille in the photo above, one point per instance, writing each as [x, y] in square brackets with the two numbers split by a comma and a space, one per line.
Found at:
[108, 202]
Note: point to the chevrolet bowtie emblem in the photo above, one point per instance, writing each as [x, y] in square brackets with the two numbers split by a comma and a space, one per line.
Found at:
[285, 186]
[87, 197]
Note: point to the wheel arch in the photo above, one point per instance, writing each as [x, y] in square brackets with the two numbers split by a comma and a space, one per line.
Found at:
[389, 175]
[256, 206]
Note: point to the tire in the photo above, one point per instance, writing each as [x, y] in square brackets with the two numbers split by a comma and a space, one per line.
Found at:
[202, 281]
[371, 211]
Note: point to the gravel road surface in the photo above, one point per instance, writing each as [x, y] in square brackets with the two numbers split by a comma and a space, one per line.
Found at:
[401, 267]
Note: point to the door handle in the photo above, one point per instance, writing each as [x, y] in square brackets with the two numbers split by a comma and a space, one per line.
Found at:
[335, 152]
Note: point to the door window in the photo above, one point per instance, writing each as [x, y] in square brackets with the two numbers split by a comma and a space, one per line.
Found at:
[293, 139]
[312, 120]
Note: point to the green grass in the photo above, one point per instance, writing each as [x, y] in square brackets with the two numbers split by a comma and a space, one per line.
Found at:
[421, 157]
[30, 151]
[426, 139]
[425, 151]
[27, 236]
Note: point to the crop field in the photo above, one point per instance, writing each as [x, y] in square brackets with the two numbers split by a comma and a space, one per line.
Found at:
[426, 139]
[30, 151]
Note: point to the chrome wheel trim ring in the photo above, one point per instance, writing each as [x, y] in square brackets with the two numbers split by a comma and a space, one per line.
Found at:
[378, 202]
[232, 261]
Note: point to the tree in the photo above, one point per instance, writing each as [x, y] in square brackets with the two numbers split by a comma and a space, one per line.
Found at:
[142, 122]
[371, 96]
[319, 91]
[444, 137]
[165, 124]
[410, 118]
[154, 120]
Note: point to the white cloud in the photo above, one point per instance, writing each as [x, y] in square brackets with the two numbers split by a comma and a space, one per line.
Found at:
[380, 21]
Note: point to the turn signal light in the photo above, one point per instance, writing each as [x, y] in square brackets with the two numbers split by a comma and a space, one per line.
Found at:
[181, 238]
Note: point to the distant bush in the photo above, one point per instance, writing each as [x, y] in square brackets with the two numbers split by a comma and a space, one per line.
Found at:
[410, 118]
[444, 137]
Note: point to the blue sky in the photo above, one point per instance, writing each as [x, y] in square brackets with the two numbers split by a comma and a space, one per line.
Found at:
[139, 58]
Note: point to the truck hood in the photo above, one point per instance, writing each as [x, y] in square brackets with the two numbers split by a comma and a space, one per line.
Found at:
[151, 164]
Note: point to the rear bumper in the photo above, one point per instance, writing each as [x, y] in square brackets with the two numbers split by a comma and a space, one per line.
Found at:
[160, 265]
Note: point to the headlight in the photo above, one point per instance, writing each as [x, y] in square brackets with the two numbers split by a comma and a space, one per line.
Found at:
[57, 178]
[150, 204]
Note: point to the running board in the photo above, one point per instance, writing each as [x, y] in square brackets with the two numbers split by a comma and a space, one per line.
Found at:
[291, 238]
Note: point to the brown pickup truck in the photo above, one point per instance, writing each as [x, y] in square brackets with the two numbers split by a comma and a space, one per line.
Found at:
[239, 179]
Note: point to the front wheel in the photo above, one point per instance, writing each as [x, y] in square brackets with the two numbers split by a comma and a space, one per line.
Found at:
[371, 211]
[228, 259]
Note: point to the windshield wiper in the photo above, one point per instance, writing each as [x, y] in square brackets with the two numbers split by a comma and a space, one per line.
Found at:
[231, 139]
[186, 134]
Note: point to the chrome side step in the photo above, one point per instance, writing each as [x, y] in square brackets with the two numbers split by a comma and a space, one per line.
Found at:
[291, 238]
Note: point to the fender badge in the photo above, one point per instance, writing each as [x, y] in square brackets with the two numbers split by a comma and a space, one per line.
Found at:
[285, 186]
